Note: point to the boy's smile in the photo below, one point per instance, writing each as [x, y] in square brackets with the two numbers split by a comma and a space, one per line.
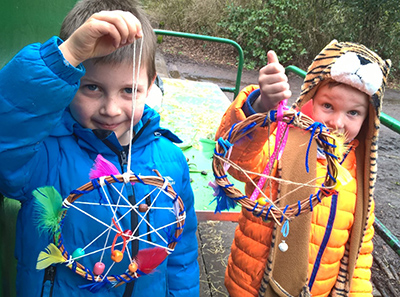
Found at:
[104, 98]
[341, 107]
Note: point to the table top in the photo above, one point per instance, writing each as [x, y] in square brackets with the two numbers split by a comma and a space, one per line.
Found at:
[193, 111]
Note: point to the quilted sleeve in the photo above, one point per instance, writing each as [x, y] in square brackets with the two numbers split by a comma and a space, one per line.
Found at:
[35, 88]
[361, 285]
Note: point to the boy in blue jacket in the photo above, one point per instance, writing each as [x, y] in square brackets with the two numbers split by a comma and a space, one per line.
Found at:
[64, 102]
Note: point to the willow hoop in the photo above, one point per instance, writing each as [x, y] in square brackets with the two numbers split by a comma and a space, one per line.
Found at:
[270, 211]
[85, 272]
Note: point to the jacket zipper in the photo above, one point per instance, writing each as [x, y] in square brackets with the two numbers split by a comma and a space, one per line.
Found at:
[48, 281]
[148, 202]
[123, 158]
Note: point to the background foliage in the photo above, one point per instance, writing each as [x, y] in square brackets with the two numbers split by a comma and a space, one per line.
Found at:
[296, 29]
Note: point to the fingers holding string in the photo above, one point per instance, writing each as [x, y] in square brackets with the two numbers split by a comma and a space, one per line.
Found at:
[121, 26]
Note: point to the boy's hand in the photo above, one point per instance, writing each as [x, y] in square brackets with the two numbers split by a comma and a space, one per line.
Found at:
[273, 83]
[100, 35]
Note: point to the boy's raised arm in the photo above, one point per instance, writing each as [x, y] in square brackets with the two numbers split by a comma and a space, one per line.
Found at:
[103, 33]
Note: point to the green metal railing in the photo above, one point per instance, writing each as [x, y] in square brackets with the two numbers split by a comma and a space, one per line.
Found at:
[394, 125]
[387, 236]
[234, 90]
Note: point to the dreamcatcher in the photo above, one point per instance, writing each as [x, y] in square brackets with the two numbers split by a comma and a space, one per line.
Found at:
[227, 195]
[106, 258]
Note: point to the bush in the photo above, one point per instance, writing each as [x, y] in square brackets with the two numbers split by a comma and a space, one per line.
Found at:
[259, 29]
[296, 29]
[191, 16]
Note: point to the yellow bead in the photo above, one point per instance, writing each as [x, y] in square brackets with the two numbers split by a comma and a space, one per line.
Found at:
[261, 201]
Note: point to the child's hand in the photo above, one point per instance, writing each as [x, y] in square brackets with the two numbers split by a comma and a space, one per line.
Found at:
[273, 83]
[100, 35]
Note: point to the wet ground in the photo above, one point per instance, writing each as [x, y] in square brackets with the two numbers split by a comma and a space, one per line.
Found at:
[215, 238]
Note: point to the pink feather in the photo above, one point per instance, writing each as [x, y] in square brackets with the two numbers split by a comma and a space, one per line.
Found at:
[102, 167]
[149, 259]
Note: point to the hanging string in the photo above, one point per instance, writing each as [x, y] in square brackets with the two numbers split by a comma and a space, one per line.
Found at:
[135, 83]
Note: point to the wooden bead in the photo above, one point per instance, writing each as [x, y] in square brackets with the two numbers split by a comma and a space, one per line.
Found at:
[143, 207]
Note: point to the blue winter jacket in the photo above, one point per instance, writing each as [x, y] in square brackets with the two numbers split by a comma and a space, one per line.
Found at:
[42, 145]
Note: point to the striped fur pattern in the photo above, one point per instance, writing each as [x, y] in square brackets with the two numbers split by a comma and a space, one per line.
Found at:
[341, 288]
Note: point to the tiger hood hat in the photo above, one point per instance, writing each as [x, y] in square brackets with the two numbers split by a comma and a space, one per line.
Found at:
[361, 68]
[349, 63]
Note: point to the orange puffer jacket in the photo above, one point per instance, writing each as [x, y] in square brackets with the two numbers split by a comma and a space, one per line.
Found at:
[331, 224]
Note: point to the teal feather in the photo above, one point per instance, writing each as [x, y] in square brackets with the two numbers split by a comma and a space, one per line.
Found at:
[48, 209]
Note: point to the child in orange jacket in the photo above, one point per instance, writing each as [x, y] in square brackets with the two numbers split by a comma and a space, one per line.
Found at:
[330, 252]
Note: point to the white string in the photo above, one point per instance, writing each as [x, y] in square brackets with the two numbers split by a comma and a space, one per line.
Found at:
[143, 218]
[94, 218]
[120, 206]
[134, 95]
[111, 266]
[105, 243]
[109, 202]
[135, 208]
[136, 238]
[117, 220]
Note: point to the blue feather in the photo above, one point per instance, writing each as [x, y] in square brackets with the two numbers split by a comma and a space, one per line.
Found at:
[95, 287]
[223, 201]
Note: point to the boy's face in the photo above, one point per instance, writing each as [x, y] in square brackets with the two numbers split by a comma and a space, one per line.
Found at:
[341, 108]
[104, 98]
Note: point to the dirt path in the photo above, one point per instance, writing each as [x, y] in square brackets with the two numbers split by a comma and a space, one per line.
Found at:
[386, 268]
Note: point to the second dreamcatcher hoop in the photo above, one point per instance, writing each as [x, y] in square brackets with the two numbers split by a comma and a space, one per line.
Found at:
[227, 195]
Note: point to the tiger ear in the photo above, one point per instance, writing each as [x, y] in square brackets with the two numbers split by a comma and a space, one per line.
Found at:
[333, 42]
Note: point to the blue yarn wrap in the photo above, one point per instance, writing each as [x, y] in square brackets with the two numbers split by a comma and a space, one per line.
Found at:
[96, 287]
[314, 128]
[225, 144]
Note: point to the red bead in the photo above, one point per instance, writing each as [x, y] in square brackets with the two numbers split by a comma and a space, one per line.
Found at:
[127, 234]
